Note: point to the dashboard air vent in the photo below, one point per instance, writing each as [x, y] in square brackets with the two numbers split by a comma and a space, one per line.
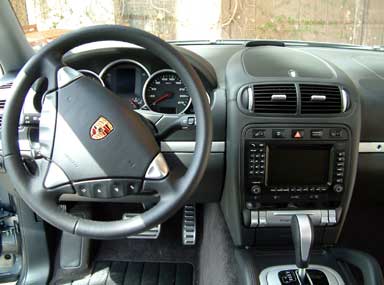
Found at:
[4, 93]
[274, 98]
[321, 99]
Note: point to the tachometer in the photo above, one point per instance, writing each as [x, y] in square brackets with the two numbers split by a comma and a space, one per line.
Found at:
[164, 92]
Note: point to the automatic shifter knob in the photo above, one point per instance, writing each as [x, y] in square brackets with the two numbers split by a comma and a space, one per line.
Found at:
[302, 235]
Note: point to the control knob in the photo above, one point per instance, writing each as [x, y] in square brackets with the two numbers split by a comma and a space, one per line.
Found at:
[338, 188]
[256, 189]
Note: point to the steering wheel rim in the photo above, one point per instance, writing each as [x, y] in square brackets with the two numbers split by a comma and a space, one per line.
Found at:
[174, 191]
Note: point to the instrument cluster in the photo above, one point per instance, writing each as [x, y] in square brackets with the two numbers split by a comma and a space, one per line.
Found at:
[162, 91]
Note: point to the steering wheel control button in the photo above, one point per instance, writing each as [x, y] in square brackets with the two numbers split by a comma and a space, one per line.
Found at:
[133, 186]
[100, 190]
[83, 189]
[117, 189]
[108, 188]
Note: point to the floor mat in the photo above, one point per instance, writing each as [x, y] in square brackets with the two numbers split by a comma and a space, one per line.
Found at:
[139, 273]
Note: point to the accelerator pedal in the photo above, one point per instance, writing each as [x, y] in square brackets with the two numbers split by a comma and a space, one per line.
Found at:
[189, 225]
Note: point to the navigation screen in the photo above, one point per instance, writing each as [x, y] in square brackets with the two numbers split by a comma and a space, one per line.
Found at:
[298, 165]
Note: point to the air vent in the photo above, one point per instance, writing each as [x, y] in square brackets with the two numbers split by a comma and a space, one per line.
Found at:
[274, 98]
[4, 93]
[6, 86]
[322, 99]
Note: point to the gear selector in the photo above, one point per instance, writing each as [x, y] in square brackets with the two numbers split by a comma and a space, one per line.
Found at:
[302, 273]
[302, 236]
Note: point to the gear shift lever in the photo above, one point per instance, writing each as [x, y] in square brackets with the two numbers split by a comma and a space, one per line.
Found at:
[302, 235]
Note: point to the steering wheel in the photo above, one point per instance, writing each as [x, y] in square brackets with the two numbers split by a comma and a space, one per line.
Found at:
[94, 145]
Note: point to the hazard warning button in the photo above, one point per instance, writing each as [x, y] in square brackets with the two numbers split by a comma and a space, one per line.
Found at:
[297, 134]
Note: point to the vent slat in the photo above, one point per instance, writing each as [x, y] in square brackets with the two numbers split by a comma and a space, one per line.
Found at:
[4, 91]
[263, 103]
[6, 86]
[332, 103]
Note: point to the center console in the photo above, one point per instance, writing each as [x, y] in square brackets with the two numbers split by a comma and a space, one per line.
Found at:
[295, 169]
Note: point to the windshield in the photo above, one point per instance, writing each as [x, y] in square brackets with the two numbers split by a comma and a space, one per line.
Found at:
[358, 22]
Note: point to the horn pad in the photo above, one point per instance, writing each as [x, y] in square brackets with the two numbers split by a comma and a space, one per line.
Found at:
[97, 135]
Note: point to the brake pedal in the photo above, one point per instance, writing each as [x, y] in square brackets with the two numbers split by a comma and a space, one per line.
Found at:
[189, 225]
[149, 234]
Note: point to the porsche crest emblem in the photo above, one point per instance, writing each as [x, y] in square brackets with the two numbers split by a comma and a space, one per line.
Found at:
[101, 128]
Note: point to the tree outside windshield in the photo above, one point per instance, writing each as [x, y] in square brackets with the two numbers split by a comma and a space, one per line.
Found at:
[358, 22]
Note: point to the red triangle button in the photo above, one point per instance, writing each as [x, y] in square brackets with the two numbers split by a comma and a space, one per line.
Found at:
[297, 135]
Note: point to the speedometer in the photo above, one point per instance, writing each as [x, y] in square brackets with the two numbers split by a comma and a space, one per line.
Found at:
[164, 92]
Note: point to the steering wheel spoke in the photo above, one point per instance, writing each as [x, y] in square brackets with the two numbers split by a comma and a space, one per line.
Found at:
[39, 182]
[49, 68]
[165, 187]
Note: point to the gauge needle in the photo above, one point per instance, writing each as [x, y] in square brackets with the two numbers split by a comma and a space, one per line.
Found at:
[162, 97]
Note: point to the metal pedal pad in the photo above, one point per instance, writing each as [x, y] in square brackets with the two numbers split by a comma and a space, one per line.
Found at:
[149, 234]
[189, 225]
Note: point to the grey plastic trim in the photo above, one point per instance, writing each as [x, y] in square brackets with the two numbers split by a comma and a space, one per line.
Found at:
[94, 74]
[55, 176]
[166, 146]
[158, 168]
[189, 146]
[66, 75]
[282, 218]
[367, 147]
[254, 219]
[270, 275]
[250, 98]
[344, 100]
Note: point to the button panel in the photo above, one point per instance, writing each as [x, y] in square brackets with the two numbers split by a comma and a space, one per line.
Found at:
[295, 133]
[339, 171]
[259, 194]
[256, 159]
[108, 188]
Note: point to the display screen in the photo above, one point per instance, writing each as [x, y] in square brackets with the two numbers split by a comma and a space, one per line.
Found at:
[298, 165]
[125, 80]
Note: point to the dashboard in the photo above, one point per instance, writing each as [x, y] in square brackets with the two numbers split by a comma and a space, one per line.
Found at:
[293, 126]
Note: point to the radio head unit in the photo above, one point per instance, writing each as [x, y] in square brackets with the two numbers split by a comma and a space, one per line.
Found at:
[299, 167]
